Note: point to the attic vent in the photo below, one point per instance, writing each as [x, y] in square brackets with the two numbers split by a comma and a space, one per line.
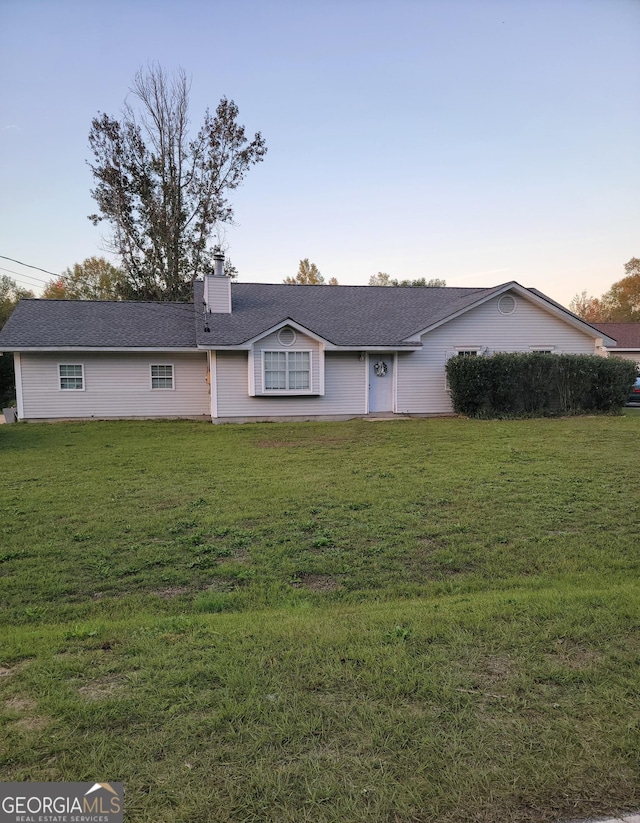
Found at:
[286, 336]
[507, 304]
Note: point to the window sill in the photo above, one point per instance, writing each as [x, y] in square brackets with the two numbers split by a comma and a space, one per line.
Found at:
[288, 393]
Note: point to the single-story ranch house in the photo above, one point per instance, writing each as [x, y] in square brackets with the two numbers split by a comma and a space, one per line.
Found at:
[248, 351]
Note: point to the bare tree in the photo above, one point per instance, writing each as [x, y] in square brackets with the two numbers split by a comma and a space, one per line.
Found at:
[161, 192]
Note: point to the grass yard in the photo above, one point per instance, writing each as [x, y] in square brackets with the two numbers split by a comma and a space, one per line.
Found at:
[400, 621]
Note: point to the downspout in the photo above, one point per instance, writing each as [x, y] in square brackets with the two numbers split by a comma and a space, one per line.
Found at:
[17, 367]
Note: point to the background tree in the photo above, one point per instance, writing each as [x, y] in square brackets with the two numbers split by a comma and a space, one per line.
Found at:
[588, 308]
[621, 304]
[624, 296]
[93, 279]
[381, 279]
[162, 193]
[308, 275]
[384, 279]
[229, 269]
[10, 294]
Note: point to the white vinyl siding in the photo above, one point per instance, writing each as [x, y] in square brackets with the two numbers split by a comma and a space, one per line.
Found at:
[115, 385]
[345, 389]
[421, 384]
[71, 376]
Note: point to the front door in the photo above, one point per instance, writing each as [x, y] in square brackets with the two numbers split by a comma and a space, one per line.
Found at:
[381, 382]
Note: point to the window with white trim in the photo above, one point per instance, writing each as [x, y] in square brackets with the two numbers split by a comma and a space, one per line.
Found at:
[467, 352]
[161, 376]
[71, 376]
[288, 371]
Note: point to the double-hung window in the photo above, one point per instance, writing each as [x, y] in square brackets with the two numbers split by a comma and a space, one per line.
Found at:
[161, 376]
[287, 371]
[71, 376]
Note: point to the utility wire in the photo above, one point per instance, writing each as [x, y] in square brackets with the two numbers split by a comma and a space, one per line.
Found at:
[69, 277]
[27, 276]
[20, 263]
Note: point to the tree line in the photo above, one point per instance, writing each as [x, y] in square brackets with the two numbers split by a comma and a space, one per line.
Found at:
[620, 304]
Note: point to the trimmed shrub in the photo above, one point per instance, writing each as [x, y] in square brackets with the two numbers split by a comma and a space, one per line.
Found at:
[536, 384]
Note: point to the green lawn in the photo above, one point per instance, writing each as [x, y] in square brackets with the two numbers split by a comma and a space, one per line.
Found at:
[415, 620]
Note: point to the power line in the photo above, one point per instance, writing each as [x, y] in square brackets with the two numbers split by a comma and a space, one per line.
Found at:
[28, 265]
[39, 280]
[20, 274]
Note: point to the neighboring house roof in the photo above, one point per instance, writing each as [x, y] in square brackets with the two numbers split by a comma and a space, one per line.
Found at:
[342, 315]
[99, 324]
[627, 335]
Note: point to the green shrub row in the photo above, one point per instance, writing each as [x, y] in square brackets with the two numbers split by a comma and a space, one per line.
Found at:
[536, 384]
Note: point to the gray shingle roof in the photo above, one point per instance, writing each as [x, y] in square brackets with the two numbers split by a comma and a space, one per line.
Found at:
[342, 315]
[99, 324]
[355, 316]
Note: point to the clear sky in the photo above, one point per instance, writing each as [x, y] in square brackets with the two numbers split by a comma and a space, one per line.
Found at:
[478, 141]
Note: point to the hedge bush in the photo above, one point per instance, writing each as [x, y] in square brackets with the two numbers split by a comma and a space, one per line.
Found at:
[536, 384]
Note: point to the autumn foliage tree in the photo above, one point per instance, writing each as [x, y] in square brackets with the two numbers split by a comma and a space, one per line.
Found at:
[621, 304]
[162, 192]
[93, 279]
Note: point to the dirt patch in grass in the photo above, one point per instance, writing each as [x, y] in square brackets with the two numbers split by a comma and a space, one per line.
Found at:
[32, 724]
[102, 688]
[20, 704]
[8, 671]
[576, 658]
[288, 444]
[497, 668]
[277, 444]
[173, 591]
[317, 582]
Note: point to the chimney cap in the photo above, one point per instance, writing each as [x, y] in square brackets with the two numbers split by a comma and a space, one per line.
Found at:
[218, 262]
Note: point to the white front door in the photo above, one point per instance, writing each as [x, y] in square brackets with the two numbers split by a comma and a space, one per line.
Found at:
[381, 381]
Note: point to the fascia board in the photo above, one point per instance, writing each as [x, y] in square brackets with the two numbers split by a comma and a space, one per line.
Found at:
[391, 347]
[417, 346]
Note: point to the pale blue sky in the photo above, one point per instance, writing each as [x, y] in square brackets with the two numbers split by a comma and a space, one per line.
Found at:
[478, 141]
